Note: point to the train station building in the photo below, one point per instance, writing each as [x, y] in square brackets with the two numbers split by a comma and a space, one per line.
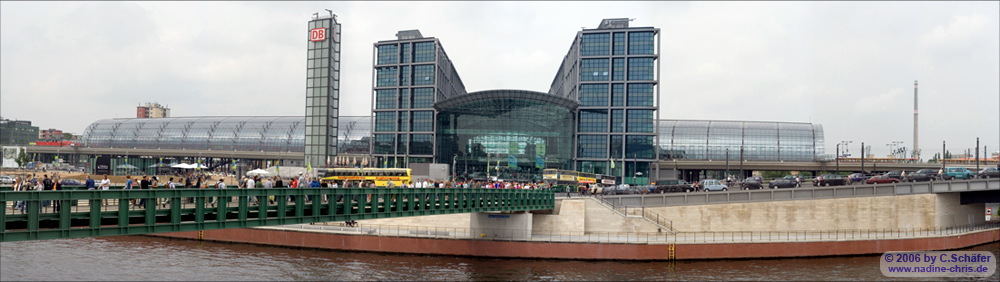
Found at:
[599, 115]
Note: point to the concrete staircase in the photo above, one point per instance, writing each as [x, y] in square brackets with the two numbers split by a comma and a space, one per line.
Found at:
[637, 213]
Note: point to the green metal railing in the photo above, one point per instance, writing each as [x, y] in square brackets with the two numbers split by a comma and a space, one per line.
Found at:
[82, 213]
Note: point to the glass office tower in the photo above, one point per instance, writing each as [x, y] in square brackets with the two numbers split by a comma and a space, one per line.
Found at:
[410, 73]
[613, 71]
[322, 90]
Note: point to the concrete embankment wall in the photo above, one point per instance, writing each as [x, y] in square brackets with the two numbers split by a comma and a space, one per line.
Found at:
[919, 211]
[571, 217]
[597, 251]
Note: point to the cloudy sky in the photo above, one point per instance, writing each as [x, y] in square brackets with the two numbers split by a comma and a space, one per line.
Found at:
[849, 66]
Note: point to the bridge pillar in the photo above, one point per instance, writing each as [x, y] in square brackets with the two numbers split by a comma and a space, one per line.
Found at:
[497, 225]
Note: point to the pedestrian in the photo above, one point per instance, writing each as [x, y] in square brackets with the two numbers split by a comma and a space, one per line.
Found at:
[105, 185]
[268, 185]
[144, 185]
[249, 184]
[56, 186]
[18, 186]
[170, 186]
[90, 183]
[128, 186]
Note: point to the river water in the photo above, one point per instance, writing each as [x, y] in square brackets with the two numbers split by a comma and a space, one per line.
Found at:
[153, 258]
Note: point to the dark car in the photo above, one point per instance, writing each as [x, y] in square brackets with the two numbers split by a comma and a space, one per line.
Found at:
[895, 174]
[830, 180]
[856, 178]
[673, 185]
[783, 183]
[71, 182]
[989, 172]
[752, 183]
[880, 179]
[921, 175]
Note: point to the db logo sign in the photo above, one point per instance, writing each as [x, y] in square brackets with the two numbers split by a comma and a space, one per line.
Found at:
[317, 34]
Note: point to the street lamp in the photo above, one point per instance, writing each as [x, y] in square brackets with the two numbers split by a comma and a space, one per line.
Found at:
[837, 157]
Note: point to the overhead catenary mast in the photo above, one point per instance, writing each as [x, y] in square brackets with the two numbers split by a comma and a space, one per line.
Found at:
[916, 144]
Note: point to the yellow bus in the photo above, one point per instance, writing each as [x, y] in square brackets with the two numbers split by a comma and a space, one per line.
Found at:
[568, 177]
[381, 176]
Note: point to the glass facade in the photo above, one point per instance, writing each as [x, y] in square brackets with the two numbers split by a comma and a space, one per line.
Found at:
[269, 134]
[322, 93]
[760, 141]
[404, 96]
[486, 125]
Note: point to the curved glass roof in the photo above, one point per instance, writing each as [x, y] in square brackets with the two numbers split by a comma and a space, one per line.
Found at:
[678, 139]
[217, 133]
[760, 141]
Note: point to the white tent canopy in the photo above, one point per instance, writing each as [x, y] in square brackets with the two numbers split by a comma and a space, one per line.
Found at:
[259, 172]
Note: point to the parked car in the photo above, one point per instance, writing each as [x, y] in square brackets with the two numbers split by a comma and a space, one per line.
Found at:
[989, 172]
[712, 185]
[830, 180]
[856, 178]
[880, 179]
[783, 183]
[673, 185]
[623, 189]
[6, 179]
[71, 182]
[896, 174]
[951, 173]
[921, 175]
[752, 182]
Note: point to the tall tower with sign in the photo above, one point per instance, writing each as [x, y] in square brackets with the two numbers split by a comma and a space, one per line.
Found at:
[322, 89]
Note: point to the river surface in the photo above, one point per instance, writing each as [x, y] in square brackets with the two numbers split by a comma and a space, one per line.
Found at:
[153, 258]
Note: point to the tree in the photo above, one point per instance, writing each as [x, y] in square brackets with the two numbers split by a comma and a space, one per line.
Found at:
[67, 136]
[22, 159]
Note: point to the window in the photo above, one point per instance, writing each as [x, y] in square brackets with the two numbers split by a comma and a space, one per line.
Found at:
[616, 120]
[595, 44]
[640, 69]
[592, 146]
[423, 52]
[423, 121]
[385, 121]
[404, 121]
[401, 144]
[385, 76]
[385, 99]
[423, 98]
[617, 95]
[640, 121]
[387, 54]
[640, 43]
[423, 75]
[594, 95]
[593, 121]
[640, 95]
[404, 76]
[405, 51]
[619, 43]
[639, 146]
[404, 98]
[422, 144]
[594, 70]
[383, 143]
[618, 69]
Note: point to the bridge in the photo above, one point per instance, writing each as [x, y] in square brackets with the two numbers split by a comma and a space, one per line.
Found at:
[972, 191]
[83, 213]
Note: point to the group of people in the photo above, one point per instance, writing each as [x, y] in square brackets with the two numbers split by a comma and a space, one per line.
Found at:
[203, 181]
[37, 184]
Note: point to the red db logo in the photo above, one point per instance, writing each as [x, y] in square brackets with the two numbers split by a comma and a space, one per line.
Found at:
[317, 34]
